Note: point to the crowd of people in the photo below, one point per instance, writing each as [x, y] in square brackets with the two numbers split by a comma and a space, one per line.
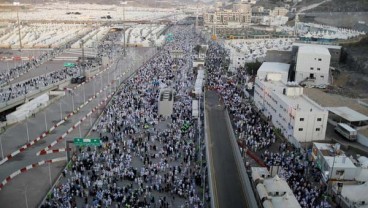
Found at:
[150, 161]
[258, 134]
[146, 160]
[12, 73]
[22, 88]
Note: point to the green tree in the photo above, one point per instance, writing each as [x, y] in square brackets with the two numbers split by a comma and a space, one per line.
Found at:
[252, 67]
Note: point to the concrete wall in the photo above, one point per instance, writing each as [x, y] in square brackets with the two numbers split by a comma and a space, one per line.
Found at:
[279, 56]
[309, 64]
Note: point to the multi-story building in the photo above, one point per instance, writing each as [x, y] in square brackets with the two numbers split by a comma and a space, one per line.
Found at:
[279, 11]
[260, 11]
[240, 15]
[312, 65]
[299, 118]
[335, 50]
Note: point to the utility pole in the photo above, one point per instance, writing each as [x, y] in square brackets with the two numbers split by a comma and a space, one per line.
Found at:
[84, 69]
[20, 38]
[124, 45]
[296, 24]
[196, 24]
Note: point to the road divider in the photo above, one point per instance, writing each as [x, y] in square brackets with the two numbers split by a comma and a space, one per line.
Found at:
[46, 149]
[45, 133]
[27, 168]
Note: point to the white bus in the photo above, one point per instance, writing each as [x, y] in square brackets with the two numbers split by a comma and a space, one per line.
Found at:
[346, 131]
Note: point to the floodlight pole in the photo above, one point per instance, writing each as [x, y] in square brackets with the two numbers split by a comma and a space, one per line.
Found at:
[20, 39]
[1, 146]
[124, 45]
[83, 64]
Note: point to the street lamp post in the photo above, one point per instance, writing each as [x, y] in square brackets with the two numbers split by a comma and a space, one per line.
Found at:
[84, 93]
[61, 112]
[94, 88]
[1, 145]
[50, 174]
[28, 129]
[45, 120]
[20, 38]
[83, 63]
[73, 101]
[25, 196]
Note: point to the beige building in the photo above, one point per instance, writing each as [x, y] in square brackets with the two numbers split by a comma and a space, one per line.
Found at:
[279, 11]
[241, 13]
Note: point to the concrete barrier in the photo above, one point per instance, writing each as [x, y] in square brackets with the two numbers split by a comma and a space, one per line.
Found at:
[247, 186]
[208, 158]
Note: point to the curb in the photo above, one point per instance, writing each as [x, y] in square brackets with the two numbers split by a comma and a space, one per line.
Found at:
[27, 168]
[44, 151]
[45, 133]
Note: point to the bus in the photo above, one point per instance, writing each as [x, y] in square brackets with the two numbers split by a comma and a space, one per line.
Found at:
[346, 131]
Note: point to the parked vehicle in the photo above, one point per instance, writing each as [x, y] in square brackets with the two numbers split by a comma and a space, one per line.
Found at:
[346, 131]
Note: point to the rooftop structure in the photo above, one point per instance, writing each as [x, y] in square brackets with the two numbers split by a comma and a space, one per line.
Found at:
[166, 102]
[335, 50]
[273, 191]
[270, 69]
[348, 115]
[312, 65]
[312, 50]
[355, 195]
[333, 162]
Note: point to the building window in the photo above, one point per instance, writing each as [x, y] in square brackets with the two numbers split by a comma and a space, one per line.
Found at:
[319, 119]
[318, 129]
[322, 76]
[319, 59]
[300, 129]
[301, 119]
[311, 68]
[319, 69]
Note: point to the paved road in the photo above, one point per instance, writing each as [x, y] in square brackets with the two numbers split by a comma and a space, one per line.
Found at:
[227, 185]
[354, 147]
[16, 136]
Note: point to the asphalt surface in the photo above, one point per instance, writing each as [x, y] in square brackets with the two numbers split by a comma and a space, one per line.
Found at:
[36, 181]
[352, 147]
[9, 53]
[227, 185]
